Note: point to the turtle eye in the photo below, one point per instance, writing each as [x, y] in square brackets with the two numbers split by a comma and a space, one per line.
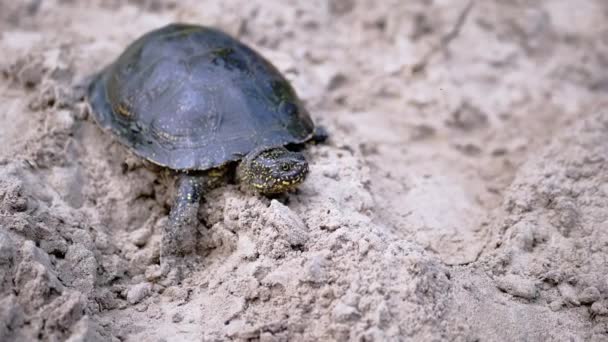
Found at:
[285, 167]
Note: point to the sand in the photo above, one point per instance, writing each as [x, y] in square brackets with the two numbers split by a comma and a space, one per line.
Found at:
[462, 195]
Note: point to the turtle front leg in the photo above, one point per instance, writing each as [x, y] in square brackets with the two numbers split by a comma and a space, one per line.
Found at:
[179, 234]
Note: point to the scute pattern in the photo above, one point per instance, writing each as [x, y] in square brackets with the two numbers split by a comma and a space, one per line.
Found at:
[193, 98]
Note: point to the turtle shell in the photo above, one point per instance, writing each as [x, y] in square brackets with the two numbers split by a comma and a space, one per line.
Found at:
[192, 98]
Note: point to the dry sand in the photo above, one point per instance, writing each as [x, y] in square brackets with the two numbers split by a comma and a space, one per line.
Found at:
[463, 194]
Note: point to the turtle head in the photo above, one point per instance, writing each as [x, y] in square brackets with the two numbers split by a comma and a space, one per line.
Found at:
[273, 170]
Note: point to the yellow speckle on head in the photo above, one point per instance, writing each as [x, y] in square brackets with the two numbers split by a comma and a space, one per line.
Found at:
[286, 183]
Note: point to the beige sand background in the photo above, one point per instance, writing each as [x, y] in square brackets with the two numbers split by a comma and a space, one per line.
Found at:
[463, 194]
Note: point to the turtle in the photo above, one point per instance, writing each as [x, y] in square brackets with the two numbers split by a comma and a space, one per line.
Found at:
[197, 101]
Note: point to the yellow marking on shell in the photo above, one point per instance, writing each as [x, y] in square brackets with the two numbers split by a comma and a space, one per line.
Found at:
[122, 110]
[216, 173]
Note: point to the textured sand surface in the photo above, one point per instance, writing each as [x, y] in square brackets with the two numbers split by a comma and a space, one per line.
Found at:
[462, 196]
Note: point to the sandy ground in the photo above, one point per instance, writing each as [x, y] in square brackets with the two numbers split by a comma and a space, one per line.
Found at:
[462, 196]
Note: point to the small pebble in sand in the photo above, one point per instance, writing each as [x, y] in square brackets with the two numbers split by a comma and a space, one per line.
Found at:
[7, 250]
[341, 7]
[142, 308]
[316, 268]
[599, 309]
[517, 286]
[138, 292]
[589, 295]
[568, 293]
[343, 313]
[556, 304]
[363, 247]
[19, 204]
[140, 236]
[28, 72]
[177, 317]
[153, 272]
[63, 120]
[287, 222]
